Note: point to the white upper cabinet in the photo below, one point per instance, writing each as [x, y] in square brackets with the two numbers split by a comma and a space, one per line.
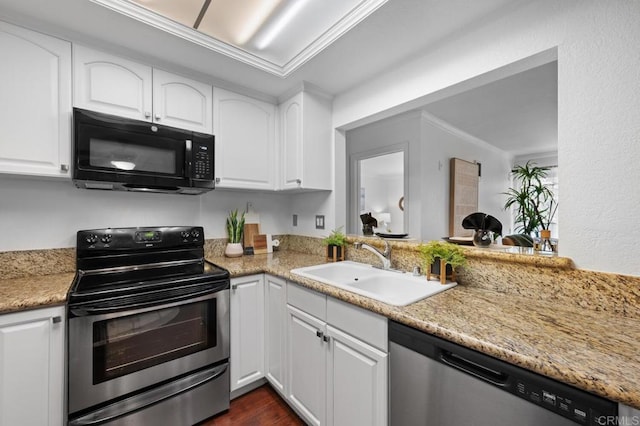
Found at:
[35, 103]
[111, 84]
[118, 86]
[245, 141]
[305, 122]
[182, 102]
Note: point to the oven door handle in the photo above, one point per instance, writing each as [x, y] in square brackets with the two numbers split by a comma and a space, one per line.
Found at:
[138, 402]
[87, 310]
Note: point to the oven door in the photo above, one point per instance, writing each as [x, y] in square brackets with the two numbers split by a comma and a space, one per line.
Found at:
[117, 353]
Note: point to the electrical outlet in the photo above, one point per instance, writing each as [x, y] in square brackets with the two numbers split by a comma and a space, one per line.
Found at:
[319, 221]
[295, 220]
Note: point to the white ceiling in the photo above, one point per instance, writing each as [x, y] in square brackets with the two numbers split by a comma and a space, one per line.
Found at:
[276, 36]
[514, 114]
[517, 114]
[395, 32]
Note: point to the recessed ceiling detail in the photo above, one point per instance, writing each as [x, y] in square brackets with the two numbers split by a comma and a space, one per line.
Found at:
[277, 36]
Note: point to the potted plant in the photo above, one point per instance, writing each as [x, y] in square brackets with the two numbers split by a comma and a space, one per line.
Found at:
[235, 227]
[335, 243]
[533, 200]
[441, 259]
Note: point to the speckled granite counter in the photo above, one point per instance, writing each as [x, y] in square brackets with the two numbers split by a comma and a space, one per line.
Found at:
[591, 350]
[576, 326]
[30, 292]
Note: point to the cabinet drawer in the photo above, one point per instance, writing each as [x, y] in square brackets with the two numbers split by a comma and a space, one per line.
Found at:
[307, 300]
[365, 325]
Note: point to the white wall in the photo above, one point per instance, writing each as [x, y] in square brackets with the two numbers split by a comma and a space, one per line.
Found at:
[598, 110]
[401, 129]
[430, 149]
[42, 214]
[439, 146]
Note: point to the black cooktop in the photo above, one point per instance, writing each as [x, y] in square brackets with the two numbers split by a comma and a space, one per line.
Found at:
[117, 261]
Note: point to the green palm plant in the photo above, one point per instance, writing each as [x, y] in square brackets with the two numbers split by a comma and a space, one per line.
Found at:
[235, 226]
[533, 200]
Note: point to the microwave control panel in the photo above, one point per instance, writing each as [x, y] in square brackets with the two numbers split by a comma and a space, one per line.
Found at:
[202, 161]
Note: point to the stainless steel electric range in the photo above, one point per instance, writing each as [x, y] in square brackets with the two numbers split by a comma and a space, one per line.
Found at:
[148, 330]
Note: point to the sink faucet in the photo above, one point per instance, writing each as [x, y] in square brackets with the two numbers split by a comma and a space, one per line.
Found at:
[385, 256]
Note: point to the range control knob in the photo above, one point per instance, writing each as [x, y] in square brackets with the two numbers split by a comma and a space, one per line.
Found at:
[184, 234]
[195, 233]
[91, 238]
[106, 239]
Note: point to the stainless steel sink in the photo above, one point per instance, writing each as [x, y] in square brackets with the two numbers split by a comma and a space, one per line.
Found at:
[393, 288]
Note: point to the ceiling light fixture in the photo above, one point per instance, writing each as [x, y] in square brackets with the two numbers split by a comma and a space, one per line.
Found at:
[257, 19]
[275, 27]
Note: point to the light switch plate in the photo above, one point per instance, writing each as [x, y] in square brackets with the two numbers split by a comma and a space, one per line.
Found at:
[319, 221]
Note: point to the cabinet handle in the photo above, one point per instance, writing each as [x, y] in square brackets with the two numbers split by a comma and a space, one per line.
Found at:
[326, 338]
[147, 114]
[158, 117]
[217, 180]
[56, 319]
[320, 334]
[234, 287]
[298, 181]
[64, 168]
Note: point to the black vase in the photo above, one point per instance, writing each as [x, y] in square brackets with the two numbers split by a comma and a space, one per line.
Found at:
[435, 268]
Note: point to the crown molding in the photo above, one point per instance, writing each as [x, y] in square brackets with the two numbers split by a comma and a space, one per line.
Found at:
[146, 16]
[455, 131]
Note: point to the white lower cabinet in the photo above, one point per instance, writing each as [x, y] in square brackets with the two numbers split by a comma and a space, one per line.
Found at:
[327, 358]
[337, 360]
[32, 367]
[247, 330]
[357, 379]
[307, 359]
[275, 331]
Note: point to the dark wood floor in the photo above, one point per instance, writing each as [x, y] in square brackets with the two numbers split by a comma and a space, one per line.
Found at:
[259, 407]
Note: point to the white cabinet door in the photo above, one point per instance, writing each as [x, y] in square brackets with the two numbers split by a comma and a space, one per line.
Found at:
[181, 102]
[32, 367]
[291, 143]
[356, 381]
[247, 330]
[35, 103]
[305, 142]
[245, 141]
[307, 360]
[110, 84]
[275, 331]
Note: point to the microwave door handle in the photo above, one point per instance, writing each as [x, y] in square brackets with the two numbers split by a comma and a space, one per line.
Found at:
[188, 157]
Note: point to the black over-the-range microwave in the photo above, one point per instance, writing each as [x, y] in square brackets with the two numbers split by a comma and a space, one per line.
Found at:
[123, 154]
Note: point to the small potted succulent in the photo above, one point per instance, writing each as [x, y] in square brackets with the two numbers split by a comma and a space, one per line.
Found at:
[441, 259]
[235, 227]
[335, 243]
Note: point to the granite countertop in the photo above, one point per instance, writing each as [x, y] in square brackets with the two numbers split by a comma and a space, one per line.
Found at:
[38, 291]
[594, 351]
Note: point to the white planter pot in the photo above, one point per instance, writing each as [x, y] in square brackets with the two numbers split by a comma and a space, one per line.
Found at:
[233, 250]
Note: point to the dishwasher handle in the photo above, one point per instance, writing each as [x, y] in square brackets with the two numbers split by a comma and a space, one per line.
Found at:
[472, 367]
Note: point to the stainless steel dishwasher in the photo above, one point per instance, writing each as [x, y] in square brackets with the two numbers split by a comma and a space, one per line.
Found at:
[435, 382]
